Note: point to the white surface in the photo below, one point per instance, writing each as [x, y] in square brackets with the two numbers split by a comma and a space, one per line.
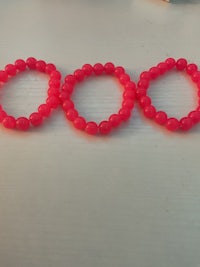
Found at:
[131, 199]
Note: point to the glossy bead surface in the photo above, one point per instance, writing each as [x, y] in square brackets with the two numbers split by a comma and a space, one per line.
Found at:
[55, 74]
[163, 67]
[31, 63]
[150, 111]
[35, 119]
[53, 101]
[67, 104]
[44, 110]
[172, 124]
[67, 87]
[145, 101]
[171, 62]
[141, 92]
[128, 103]
[115, 120]
[70, 79]
[54, 83]
[79, 75]
[9, 122]
[79, 123]
[64, 96]
[181, 64]
[161, 117]
[145, 75]
[109, 68]
[143, 83]
[186, 123]
[154, 72]
[40, 65]
[50, 68]
[91, 128]
[105, 127]
[191, 68]
[71, 114]
[125, 113]
[129, 94]
[98, 68]
[22, 124]
[130, 86]
[119, 71]
[53, 91]
[196, 76]
[195, 116]
[88, 69]
[20, 64]
[124, 78]
[10, 69]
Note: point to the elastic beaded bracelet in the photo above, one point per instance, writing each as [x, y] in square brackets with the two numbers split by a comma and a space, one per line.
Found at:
[44, 110]
[161, 117]
[114, 120]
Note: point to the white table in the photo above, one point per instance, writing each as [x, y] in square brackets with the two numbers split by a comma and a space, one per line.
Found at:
[130, 199]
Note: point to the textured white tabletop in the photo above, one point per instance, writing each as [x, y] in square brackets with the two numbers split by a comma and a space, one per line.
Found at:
[130, 199]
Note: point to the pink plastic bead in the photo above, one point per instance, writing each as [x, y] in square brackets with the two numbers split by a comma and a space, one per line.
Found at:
[40, 65]
[115, 120]
[171, 63]
[20, 64]
[172, 124]
[98, 68]
[186, 123]
[91, 128]
[150, 111]
[10, 69]
[161, 117]
[181, 64]
[105, 127]
[22, 124]
[88, 69]
[109, 68]
[31, 63]
[35, 119]
[9, 122]
[79, 123]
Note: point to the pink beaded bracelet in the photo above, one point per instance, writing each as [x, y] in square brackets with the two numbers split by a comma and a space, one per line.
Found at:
[160, 117]
[114, 120]
[63, 96]
[52, 101]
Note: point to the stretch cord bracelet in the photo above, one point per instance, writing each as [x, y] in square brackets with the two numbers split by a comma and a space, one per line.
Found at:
[161, 117]
[57, 97]
[114, 120]
[44, 110]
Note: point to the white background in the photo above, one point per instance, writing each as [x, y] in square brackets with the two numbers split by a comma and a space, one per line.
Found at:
[130, 199]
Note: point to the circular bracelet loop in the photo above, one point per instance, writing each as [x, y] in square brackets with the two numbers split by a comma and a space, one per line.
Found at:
[44, 110]
[104, 127]
[161, 117]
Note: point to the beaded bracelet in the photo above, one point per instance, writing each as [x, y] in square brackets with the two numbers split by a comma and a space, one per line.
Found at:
[161, 117]
[114, 120]
[63, 97]
[52, 101]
